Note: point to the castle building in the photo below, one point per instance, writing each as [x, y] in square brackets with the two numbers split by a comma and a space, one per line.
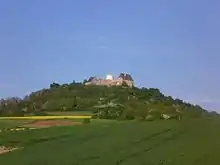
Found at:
[123, 78]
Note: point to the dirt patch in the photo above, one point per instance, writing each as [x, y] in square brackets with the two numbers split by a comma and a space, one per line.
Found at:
[4, 149]
[51, 123]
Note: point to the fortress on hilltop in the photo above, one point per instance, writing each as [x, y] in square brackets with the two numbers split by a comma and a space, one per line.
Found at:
[110, 80]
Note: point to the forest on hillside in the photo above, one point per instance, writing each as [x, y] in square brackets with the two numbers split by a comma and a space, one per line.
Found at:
[103, 102]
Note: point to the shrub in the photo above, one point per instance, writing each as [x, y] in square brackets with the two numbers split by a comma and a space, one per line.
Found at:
[86, 121]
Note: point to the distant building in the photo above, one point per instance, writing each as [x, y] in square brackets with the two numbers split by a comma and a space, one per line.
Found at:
[123, 78]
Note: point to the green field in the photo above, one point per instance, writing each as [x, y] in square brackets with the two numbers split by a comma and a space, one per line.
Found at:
[12, 123]
[193, 142]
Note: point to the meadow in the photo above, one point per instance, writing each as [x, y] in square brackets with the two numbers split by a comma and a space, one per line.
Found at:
[104, 142]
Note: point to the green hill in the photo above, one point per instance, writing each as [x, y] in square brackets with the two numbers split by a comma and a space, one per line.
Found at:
[104, 102]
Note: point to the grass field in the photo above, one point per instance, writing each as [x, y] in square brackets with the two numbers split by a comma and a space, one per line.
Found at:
[194, 142]
[12, 123]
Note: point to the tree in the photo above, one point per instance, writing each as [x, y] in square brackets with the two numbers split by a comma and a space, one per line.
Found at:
[54, 85]
[85, 81]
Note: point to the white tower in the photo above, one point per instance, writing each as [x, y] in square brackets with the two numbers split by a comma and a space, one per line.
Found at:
[109, 77]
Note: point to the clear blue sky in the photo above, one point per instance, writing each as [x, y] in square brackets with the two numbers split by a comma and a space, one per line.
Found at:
[172, 45]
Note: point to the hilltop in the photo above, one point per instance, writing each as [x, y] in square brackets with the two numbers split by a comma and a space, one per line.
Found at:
[121, 102]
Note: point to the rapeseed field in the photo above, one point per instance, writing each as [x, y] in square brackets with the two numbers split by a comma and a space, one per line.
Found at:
[45, 117]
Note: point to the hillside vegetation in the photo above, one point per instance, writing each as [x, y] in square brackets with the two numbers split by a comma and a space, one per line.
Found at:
[104, 102]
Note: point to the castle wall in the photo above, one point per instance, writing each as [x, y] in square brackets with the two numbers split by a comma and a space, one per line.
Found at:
[129, 83]
[108, 82]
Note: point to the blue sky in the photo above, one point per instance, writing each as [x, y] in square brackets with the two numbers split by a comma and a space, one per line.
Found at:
[168, 44]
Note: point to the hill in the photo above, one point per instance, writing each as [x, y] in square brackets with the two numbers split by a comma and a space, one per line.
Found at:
[119, 102]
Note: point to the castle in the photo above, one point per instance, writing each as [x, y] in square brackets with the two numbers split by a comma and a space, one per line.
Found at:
[123, 78]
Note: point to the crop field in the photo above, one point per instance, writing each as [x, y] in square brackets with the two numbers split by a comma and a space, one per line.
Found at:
[193, 142]
[44, 117]
[5, 123]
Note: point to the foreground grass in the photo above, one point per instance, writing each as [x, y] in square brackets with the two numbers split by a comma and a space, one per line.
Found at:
[110, 143]
[5, 123]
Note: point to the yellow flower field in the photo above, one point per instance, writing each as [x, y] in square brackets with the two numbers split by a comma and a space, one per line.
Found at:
[46, 117]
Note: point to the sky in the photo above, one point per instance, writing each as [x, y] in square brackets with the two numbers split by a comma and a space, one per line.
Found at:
[167, 44]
